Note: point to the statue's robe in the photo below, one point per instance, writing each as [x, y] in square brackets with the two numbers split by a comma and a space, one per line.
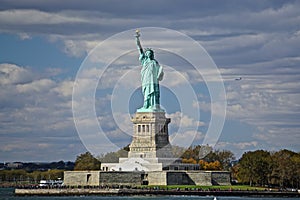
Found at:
[151, 74]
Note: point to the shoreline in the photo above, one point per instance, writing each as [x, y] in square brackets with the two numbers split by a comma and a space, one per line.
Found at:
[147, 192]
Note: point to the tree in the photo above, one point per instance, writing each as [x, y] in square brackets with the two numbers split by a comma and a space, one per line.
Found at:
[113, 157]
[281, 168]
[215, 165]
[255, 167]
[295, 182]
[192, 152]
[53, 174]
[35, 176]
[190, 160]
[178, 151]
[225, 157]
[286, 168]
[87, 161]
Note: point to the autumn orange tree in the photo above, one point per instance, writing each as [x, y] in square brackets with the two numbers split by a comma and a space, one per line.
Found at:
[214, 160]
[190, 160]
[215, 165]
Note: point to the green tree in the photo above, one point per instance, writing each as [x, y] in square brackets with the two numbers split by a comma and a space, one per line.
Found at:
[87, 161]
[113, 157]
[53, 174]
[295, 182]
[255, 167]
[192, 152]
[286, 168]
[225, 157]
[35, 176]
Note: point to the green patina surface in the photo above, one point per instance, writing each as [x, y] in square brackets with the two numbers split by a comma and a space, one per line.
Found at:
[151, 74]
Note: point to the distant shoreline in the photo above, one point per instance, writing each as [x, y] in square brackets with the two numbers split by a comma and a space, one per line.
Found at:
[145, 192]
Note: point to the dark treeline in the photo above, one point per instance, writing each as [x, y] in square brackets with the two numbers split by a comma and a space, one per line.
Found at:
[32, 173]
[264, 168]
[20, 176]
[32, 166]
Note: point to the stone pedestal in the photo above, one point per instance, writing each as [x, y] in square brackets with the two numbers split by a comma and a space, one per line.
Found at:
[151, 138]
[150, 149]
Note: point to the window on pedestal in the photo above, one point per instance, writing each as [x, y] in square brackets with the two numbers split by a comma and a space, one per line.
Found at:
[160, 128]
[139, 128]
[143, 128]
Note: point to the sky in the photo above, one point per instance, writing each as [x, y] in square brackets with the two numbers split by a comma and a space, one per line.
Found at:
[46, 46]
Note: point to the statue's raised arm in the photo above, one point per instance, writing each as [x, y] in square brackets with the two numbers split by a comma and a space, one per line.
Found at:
[138, 43]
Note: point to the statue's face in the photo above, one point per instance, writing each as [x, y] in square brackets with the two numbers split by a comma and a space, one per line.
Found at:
[149, 54]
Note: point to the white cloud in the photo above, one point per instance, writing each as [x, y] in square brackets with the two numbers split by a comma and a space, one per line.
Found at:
[65, 88]
[28, 99]
[17, 17]
[79, 47]
[268, 103]
[42, 85]
[13, 74]
[186, 138]
[181, 120]
[123, 122]
[24, 36]
[239, 147]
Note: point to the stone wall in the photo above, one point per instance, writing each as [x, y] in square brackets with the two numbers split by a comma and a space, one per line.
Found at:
[98, 178]
[179, 178]
[221, 178]
[200, 177]
[81, 178]
[121, 178]
[157, 178]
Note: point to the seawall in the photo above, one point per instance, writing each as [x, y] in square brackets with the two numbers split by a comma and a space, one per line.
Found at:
[65, 192]
[128, 192]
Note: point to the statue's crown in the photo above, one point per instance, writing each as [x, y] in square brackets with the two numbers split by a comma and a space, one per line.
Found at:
[148, 49]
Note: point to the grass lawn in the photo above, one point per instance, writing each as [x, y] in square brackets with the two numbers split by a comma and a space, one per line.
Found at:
[220, 187]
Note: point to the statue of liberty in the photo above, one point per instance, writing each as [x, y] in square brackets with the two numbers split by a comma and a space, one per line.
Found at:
[151, 74]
